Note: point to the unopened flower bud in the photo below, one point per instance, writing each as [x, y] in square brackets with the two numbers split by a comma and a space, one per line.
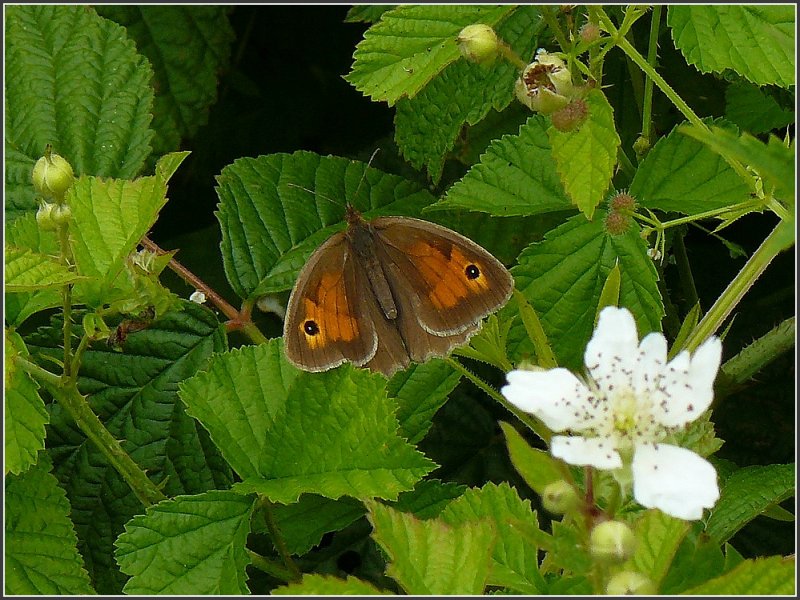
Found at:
[617, 223]
[478, 43]
[559, 497]
[52, 176]
[630, 583]
[44, 217]
[641, 146]
[571, 117]
[612, 541]
[590, 32]
[623, 202]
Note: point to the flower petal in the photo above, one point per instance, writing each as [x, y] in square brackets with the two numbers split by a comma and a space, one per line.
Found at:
[650, 364]
[556, 396]
[687, 386]
[611, 353]
[596, 452]
[675, 480]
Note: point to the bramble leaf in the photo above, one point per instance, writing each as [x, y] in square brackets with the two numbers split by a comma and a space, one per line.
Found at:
[563, 276]
[432, 557]
[188, 545]
[65, 92]
[747, 494]
[756, 41]
[684, 175]
[188, 47]
[25, 412]
[410, 45]
[515, 176]
[41, 557]
[288, 432]
[428, 125]
[585, 158]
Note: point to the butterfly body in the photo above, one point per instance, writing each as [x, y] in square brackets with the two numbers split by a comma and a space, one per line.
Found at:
[388, 291]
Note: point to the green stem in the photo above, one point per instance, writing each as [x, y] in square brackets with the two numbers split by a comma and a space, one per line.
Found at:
[270, 567]
[254, 333]
[756, 356]
[781, 238]
[511, 56]
[278, 541]
[652, 57]
[76, 406]
[78, 356]
[555, 28]
[533, 424]
[684, 269]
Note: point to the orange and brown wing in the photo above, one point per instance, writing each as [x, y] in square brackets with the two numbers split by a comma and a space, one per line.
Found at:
[326, 320]
[455, 282]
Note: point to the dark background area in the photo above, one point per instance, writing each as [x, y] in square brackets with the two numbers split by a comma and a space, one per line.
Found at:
[284, 92]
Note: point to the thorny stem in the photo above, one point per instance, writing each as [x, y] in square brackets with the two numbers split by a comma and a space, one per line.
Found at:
[75, 404]
[266, 505]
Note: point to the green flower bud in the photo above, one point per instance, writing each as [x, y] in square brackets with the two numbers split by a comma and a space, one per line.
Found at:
[590, 32]
[45, 218]
[478, 43]
[559, 497]
[52, 175]
[630, 583]
[612, 541]
[641, 146]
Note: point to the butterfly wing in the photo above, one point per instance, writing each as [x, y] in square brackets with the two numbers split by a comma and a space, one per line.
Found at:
[326, 319]
[449, 281]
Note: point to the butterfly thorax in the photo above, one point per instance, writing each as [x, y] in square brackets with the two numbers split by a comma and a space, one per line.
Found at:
[361, 236]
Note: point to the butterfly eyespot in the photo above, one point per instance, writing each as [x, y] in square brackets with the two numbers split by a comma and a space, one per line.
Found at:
[472, 272]
[311, 328]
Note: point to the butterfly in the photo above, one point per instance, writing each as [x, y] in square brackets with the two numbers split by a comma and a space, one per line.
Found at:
[388, 291]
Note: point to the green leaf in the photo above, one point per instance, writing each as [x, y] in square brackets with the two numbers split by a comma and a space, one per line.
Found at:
[754, 110]
[410, 45]
[515, 176]
[773, 161]
[658, 537]
[25, 413]
[428, 125]
[188, 47]
[489, 344]
[563, 276]
[28, 271]
[290, 204]
[303, 523]
[747, 494]
[756, 41]
[239, 398]
[41, 557]
[429, 498]
[188, 545]
[419, 392]
[110, 217]
[24, 232]
[66, 93]
[697, 560]
[774, 575]
[134, 394]
[681, 174]
[432, 557]
[585, 158]
[327, 585]
[537, 467]
[514, 558]
[367, 13]
[288, 432]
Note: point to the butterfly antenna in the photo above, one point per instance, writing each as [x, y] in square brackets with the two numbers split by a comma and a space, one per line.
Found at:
[364, 175]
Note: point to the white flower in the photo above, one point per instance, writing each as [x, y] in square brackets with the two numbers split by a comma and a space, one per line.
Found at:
[632, 401]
